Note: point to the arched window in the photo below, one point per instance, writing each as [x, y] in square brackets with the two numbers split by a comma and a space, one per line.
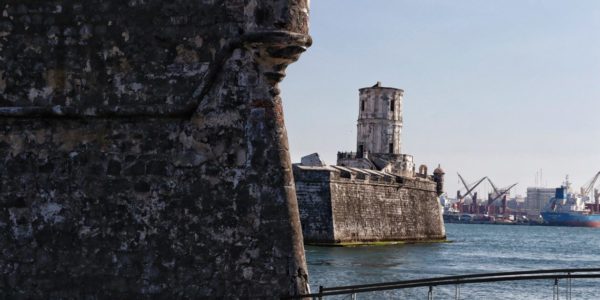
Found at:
[392, 105]
[423, 170]
[362, 105]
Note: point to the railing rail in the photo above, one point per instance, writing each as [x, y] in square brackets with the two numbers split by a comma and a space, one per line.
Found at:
[555, 274]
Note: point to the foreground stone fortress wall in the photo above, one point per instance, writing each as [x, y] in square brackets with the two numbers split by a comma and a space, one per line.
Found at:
[143, 149]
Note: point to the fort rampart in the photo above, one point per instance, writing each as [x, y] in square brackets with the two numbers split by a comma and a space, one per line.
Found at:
[144, 152]
[351, 205]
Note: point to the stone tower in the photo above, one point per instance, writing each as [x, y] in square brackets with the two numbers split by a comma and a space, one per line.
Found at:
[379, 120]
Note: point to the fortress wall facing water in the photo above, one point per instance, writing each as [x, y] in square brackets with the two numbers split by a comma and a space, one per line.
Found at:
[343, 207]
[313, 190]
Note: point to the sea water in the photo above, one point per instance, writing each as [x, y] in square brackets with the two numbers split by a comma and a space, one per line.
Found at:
[473, 249]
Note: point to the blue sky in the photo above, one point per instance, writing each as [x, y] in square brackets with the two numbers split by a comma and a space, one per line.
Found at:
[496, 88]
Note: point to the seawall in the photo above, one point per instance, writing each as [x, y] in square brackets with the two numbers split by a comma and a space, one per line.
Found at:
[348, 205]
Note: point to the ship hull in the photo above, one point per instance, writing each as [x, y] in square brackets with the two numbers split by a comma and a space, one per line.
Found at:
[571, 219]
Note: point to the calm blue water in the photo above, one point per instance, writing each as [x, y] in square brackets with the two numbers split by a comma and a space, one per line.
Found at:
[475, 249]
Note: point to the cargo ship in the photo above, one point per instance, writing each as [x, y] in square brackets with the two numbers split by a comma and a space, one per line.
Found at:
[569, 209]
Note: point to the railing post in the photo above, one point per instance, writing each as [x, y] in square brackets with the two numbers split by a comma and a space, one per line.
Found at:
[555, 289]
[320, 292]
[430, 296]
[569, 285]
[457, 291]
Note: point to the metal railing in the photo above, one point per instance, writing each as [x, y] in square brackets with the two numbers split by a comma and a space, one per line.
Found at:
[457, 281]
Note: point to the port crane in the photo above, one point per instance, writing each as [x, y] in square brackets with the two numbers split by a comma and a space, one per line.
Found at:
[469, 190]
[589, 191]
[502, 192]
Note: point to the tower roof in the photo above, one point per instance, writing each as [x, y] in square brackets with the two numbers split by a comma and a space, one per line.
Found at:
[378, 86]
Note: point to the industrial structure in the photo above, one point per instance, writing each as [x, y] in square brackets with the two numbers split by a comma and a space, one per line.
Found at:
[375, 193]
[589, 193]
[561, 206]
[537, 197]
[498, 194]
[568, 208]
[468, 208]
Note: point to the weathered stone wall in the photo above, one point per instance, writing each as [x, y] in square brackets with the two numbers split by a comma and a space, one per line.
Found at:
[144, 153]
[379, 126]
[386, 212]
[313, 188]
[367, 209]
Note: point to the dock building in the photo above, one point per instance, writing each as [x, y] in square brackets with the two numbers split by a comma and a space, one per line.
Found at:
[537, 197]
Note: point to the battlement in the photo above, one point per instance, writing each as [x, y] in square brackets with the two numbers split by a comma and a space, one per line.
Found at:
[341, 174]
[347, 155]
[399, 164]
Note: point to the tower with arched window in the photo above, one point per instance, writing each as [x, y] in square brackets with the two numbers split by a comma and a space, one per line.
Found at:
[379, 126]
[379, 120]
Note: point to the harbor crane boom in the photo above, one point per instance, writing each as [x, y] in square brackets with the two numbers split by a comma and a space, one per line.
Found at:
[588, 187]
[502, 192]
[493, 185]
[464, 183]
[469, 190]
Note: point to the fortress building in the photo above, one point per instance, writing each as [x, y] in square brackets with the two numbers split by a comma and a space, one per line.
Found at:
[378, 142]
[373, 194]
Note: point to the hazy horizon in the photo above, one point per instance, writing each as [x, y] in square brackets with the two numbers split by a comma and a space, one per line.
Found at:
[499, 89]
